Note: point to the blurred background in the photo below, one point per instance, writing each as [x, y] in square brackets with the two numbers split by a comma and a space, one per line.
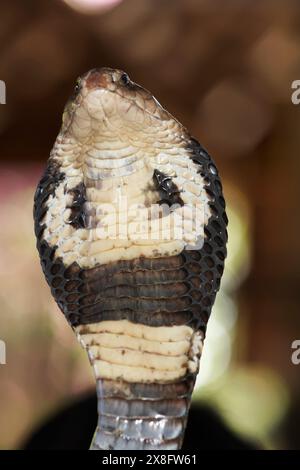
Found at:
[225, 70]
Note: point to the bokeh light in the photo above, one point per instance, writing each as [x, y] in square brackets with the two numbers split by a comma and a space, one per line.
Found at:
[91, 6]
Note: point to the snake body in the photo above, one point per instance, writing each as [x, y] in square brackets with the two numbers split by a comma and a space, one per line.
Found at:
[137, 292]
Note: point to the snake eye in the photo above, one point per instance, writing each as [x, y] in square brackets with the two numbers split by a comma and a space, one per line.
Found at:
[124, 78]
[77, 87]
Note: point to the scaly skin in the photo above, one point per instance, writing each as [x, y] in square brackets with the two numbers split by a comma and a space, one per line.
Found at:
[137, 292]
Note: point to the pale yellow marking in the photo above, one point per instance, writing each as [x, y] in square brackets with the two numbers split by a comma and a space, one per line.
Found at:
[127, 357]
[135, 374]
[113, 340]
[152, 333]
[99, 246]
[195, 352]
[141, 353]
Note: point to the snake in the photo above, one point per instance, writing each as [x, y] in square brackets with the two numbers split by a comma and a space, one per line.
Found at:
[131, 229]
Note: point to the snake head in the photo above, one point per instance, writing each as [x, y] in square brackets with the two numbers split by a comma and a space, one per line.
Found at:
[107, 101]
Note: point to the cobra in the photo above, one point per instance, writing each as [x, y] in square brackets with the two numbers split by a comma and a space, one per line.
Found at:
[136, 290]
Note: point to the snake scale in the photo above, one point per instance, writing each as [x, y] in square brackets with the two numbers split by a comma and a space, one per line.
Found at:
[130, 224]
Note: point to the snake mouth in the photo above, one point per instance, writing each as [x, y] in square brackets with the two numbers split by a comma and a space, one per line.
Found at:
[106, 100]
